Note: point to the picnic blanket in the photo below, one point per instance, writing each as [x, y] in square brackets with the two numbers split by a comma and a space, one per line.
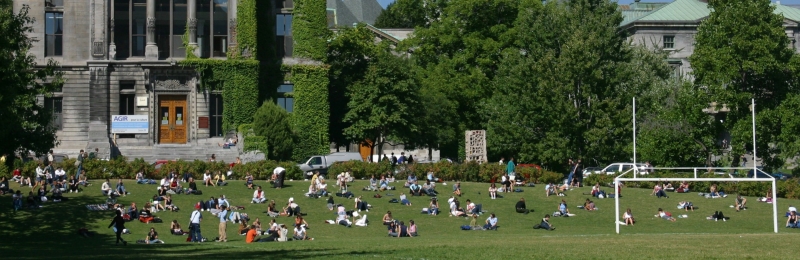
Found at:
[97, 207]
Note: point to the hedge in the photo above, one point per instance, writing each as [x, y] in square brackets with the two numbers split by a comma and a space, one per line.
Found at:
[470, 171]
[122, 168]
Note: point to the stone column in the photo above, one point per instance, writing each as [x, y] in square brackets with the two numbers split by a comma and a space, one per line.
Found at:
[112, 47]
[151, 50]
[99, 17]
[192, 24]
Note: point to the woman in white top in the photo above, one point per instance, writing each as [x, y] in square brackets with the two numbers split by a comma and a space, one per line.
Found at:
[207, 179]
[628, 217]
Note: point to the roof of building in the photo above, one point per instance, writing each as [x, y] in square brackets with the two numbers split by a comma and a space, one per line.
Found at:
[684, 11]
[349, 12]
[395, 35]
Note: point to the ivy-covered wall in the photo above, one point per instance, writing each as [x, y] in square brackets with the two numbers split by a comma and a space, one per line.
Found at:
[310, 29]
[238, 80]
[311, 109]
[246, 30]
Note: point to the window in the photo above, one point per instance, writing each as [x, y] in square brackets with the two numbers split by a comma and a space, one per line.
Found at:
[126, 104]
[285, 99]
[130, 27]
[331, 18]
[215, 113]
[283, 32]
[53, 34]
[220, 13]
[212, 27]
[127, 85]
[54, 105]
[669, 41]
[54, 3]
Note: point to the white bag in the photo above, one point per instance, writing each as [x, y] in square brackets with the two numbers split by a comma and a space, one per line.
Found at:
[44, 198]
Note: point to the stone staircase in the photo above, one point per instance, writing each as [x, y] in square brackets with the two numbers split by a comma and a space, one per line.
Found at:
[186, 152]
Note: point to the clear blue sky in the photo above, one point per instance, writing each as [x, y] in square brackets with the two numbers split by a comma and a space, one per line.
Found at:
[384, 3]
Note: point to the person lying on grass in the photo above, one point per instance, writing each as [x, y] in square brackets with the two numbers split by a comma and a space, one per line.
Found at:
[686, 205]
[665, 215]
[404, 200]
[628, 217]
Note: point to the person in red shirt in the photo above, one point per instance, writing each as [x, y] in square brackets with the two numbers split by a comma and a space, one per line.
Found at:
[251, 234]
[17, 176]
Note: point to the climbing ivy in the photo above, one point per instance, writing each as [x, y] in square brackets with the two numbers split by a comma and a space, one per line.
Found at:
[246, 31]
[310, 29]
[311, 109]
[238, 80]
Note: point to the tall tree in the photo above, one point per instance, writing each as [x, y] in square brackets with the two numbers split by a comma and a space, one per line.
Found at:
[565, 88]
[384, 104]
[26, 124]
[742, 52]
[402, 14]
[458, 52]
[348, 55]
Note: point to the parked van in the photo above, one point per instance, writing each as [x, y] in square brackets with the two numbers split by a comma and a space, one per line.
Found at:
[321, 163]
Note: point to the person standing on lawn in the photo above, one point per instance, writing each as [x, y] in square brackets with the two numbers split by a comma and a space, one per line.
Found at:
[223, 224]
[194, 224]
[119, 224]
[511, 170]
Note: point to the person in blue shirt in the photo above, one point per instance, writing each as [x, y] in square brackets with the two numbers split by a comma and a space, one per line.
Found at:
[491, 222]
[223, 224]
[416, 189]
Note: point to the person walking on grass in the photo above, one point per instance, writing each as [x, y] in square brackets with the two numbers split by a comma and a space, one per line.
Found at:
[119, 224]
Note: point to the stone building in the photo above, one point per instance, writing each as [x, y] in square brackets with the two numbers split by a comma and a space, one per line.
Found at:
[672, 26]
[121, 58]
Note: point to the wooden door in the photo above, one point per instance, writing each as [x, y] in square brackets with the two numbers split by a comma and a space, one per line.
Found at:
[173, 119]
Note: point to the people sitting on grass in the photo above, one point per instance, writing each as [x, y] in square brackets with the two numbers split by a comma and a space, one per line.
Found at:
[192, 187]
[550, 189]
[740, 203]
[506, 182]
[300, 233]
[683, 188]
[258, 196]
[792, 221]
[152, 237]
[686, 205]
[667, 186]
[383, 184]
[387, 218]
[82, 179]
[455, 210]
[248, 180]
[299, 220]
[121, 188]
[491, 223]
[457, 189]
[175, 228]
[291, 209]
[133, 212]
[145, 215]
[473, 208]
[715, 193]
[563, 209]
[768, 198]
[658, 190]
[433, 207]
[493, 191]
[431, 177]
[400, 230]
[106, 188]
[168, 205]
[415, 189]
[628, 217]
[272, 209]
[589, 205]
[520, 207]
[429, 188]
[595, 189]
[410, 180]
[412, 229]
[373, 183]
[219, 179]
[207, 179]
[330, 203]
[545, 224]
[664, 215]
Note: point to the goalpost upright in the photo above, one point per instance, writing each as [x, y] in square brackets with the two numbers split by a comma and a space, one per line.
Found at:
[755, 169]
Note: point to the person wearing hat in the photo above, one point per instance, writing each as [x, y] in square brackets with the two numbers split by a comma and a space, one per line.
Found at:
[194, 224]
[223, 224]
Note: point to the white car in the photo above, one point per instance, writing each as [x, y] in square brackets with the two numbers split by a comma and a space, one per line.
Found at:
[616, 168]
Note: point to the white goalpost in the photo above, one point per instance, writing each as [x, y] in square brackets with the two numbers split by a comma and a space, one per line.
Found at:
[635, 173]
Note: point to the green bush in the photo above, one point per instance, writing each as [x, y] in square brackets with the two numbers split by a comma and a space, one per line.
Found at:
[272, 122]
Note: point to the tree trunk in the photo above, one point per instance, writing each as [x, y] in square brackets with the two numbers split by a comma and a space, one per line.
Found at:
[430, 154]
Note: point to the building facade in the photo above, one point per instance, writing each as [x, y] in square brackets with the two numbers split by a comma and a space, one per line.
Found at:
[120, 60]
[672, 26]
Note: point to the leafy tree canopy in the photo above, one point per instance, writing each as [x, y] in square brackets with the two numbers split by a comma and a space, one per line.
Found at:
[272, 122]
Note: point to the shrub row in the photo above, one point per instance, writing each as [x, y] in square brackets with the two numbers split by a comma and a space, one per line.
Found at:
[122, 168]
[470, 171]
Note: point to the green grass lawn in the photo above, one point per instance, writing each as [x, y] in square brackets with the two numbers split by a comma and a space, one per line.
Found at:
[51, 232]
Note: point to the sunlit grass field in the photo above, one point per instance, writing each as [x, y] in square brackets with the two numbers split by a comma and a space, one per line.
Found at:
[51, 232]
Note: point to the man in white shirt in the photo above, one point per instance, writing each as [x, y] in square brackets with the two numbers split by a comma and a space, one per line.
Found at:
[258, 196]
[278, 174]
[106, 188]
[40, 173]
[61, 174]
[491, 222]
[194, 224]
[222, 202]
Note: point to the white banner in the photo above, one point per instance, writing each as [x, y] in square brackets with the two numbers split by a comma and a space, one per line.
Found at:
[130, 124]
